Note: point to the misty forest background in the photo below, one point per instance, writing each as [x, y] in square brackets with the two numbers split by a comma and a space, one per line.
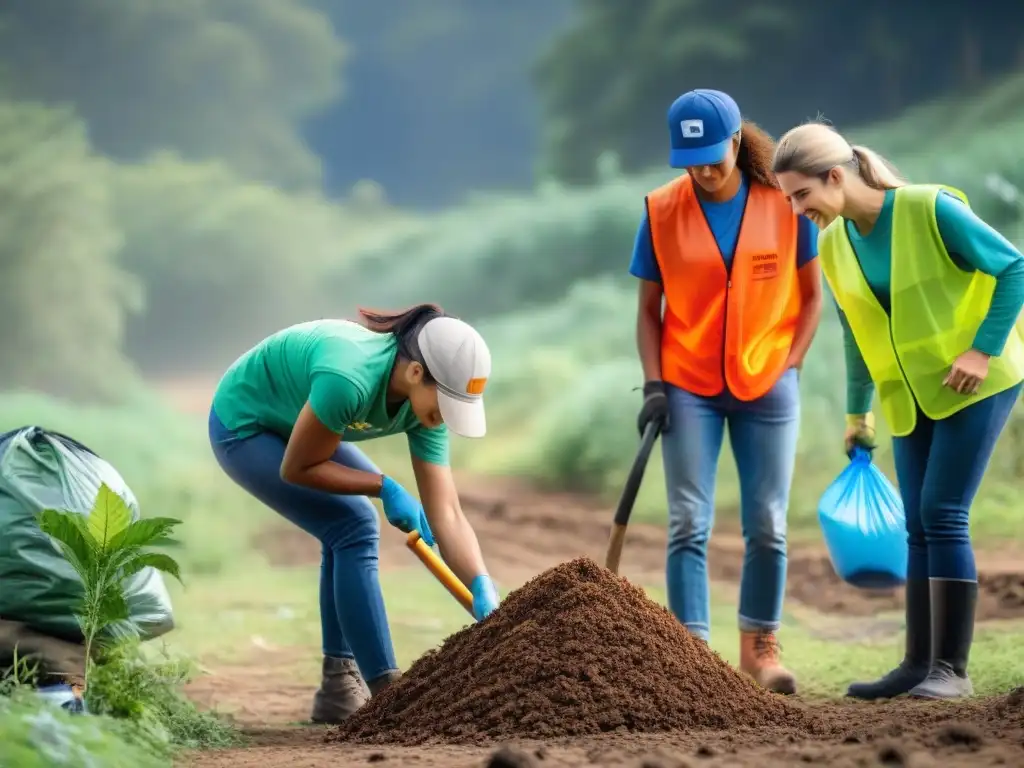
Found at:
[179, 179]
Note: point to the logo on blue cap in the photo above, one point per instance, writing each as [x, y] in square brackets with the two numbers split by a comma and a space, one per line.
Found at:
[701, 123]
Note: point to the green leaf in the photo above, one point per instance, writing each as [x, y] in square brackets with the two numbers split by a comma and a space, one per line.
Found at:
[144, 533]
[109, 517]
[70, 533]
[157, 560]
[113, 607]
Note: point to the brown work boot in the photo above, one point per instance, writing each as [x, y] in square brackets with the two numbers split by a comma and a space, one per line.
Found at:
[342, 691]
[380, 683]
[759, 658]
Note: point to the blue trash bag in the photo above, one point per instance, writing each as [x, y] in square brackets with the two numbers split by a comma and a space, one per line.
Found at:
[864, 526]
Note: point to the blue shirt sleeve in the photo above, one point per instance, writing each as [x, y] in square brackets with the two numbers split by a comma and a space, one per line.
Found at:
[643, 264]
[806, 241]
[975, 245]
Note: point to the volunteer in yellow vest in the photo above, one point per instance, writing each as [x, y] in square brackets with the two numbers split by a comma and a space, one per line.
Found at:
[740, 279]
[929, 297]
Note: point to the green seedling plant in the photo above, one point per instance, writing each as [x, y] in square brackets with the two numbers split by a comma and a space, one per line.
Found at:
[105, 548]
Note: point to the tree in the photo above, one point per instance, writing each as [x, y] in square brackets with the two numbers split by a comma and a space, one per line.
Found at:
[606, 83]
[209, 78]
[225, 260]
[63, 299]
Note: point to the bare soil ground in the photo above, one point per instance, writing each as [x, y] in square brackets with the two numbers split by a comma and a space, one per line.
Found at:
[523, 533]
[983, 733]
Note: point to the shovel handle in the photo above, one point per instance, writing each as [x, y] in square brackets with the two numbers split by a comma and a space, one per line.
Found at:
[441, 571]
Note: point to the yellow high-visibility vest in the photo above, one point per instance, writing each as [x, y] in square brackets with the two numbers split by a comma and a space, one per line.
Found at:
[936, 309]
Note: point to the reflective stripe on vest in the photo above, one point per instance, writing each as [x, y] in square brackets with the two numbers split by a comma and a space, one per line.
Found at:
[936, 311]
[721, 329]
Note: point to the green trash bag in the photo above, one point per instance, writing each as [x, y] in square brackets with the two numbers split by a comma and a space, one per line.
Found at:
[41, 469]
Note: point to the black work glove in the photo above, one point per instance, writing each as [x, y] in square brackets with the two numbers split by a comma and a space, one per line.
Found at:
[655, 407]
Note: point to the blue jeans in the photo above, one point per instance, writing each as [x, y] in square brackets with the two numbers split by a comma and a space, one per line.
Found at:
[763, 434]
[353, 621]
[939, 467]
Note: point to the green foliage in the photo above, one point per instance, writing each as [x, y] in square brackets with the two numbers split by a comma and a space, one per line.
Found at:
[501, 254]
[105, 548]
[593, 105]
[504, 254]
[132, 685]
[34, 734]
[226, 261]
[227, 79]
[57, 246]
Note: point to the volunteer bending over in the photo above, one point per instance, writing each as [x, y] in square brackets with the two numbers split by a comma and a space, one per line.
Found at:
[742, 291]
[283, 425]
[929, 297]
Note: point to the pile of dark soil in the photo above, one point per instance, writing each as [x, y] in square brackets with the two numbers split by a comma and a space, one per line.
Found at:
[575, 651]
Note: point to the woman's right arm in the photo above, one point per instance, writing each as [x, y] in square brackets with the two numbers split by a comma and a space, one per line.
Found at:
[644, 267]
[648, 329]
[333, 402]
[860, 390]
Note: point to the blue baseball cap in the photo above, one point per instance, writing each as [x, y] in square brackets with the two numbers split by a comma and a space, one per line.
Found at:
[700, 125]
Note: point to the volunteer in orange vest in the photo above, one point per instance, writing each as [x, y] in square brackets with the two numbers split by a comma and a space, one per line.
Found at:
[930, 300]
[742, 288]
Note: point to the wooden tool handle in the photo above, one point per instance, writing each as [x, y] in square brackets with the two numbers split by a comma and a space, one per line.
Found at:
[625, 508]
[615, 542]
[440, 570]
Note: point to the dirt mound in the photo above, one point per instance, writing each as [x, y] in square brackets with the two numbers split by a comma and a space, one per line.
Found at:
[575, 651]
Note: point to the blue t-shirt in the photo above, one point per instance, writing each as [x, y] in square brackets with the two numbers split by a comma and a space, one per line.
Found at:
[724, 219]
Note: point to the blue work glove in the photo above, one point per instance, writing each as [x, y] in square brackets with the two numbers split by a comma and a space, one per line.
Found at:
[485, 596]
[403, 511]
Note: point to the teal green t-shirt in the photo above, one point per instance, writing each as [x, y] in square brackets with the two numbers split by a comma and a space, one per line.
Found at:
[341, 368]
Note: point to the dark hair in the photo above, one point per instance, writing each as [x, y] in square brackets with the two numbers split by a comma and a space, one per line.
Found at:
[755, 155]
[406, 326]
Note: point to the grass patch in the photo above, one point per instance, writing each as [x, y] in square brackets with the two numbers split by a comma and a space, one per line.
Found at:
[37, 735]
[145, 687]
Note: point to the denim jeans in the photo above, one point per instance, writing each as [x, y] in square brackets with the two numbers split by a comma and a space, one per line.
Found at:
[353, 621]
[939, 467]
[763, 434]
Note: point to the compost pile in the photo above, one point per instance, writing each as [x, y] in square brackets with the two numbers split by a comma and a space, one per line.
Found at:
[576, 651]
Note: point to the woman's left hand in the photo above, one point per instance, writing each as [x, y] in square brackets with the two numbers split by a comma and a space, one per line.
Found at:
[968, 372]
[485, 597]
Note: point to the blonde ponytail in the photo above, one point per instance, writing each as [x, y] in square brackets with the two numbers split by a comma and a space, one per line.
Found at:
[876, 171]
[813, 149]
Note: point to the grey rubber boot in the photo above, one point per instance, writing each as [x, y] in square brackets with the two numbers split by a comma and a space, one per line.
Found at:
[916, 658]
[953, 606]
[342, 691]
[380, 683]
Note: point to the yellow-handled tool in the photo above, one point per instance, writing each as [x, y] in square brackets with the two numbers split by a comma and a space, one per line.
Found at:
[443, 573]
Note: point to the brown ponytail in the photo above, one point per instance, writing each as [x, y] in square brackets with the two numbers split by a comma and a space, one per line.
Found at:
[396, 322]
[406, 326]
[755, 155]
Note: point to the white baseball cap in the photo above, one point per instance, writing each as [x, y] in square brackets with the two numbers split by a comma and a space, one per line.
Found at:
[459, 360]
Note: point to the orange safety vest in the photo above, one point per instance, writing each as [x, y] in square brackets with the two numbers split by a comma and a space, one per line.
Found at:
[723, 328]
